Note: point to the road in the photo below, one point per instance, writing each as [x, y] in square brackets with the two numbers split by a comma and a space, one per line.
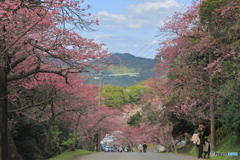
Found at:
[135, 156]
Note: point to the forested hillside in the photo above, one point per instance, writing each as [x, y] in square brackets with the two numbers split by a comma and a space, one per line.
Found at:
[124, 64]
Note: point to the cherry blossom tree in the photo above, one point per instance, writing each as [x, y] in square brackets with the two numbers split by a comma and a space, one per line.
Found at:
[186, 58]
[48, 99]
[194, 56]
[99, 121]
[39, 37]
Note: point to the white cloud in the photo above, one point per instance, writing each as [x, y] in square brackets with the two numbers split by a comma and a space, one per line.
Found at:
[134, 25]
[111, 27]
[106, 16]
[142, 15]
[152, 7]
[119, 22]
[136, 45]
[97, 36]
[144, 0]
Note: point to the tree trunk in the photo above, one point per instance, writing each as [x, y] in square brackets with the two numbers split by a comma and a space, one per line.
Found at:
[3, 110]
[74, 139]
[3, 98]
[212, 109]
[47, 148]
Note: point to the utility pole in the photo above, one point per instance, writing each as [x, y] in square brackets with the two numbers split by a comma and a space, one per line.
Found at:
[99, 103]
[99, 86]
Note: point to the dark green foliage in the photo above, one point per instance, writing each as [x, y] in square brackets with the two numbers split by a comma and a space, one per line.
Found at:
[181, 126]
[229, 112]
[29, 137]
[134, 92]
[208, 7]
[114, 96]
[58, 137]
[222, 23]
[135, 119]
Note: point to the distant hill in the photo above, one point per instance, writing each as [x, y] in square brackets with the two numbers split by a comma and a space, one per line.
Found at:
[125, 64]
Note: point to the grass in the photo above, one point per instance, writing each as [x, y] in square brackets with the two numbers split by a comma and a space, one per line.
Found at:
[221, 158]
[229, 144]
[67, 155]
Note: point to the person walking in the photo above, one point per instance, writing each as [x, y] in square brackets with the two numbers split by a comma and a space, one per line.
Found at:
[145, 147]
[120, 149]
[140, 148]
[198, 138]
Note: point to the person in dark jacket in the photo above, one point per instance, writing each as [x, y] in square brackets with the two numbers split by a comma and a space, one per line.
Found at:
[202, 132]
[144, 147]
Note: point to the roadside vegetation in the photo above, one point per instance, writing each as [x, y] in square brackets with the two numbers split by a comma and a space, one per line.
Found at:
[71, 155]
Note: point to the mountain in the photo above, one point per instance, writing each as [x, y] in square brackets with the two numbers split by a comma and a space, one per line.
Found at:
[124, 64]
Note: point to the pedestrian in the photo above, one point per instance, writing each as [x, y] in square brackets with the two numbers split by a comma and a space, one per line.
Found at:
[120, 149]
[145, 147]
[129, 148]
[206, 148]
[140, 148]
[125, 149]
[198, 138]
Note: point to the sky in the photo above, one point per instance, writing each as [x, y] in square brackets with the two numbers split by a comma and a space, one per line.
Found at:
[131, 26]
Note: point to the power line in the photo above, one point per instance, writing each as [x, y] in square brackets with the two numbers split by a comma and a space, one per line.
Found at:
[145, 45]
[171, 35]
[154, 38]
[149, 42]
[162, 35]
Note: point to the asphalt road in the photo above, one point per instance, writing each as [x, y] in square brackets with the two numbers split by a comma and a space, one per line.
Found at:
[135, 156]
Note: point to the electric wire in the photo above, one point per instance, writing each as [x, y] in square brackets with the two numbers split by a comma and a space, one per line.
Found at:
[160, 37]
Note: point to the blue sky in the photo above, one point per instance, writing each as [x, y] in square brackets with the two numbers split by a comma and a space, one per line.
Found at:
[130, 26]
